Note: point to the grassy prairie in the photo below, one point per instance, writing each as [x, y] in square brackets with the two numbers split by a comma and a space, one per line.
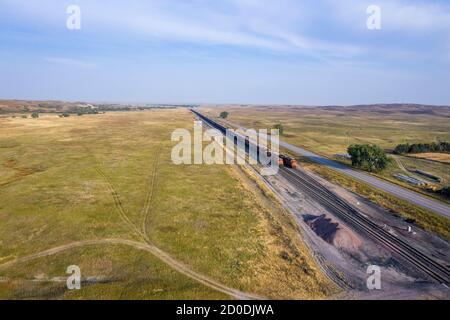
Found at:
[438, 157]
[96, 177]
[329, 130]
[109, 272]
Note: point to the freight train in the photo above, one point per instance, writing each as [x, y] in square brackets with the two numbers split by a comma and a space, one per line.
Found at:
[283, 160]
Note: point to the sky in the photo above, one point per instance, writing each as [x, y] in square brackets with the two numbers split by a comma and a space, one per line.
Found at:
[310, 52]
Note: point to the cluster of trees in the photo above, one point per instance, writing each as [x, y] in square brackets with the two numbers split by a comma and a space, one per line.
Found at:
[368, 157]
[280, 128]
[80, 113]
[118, 107]
[224, 115]
[422, 147]
[85, 110]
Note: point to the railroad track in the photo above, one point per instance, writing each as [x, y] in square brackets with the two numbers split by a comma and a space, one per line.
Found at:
[353, 217]
[428, 266]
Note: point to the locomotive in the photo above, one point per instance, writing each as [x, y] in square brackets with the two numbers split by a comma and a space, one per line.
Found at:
[288, 162]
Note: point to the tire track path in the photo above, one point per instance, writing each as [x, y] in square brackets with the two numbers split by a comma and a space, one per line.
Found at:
[166, 258]
[150, 194]
[118, 205]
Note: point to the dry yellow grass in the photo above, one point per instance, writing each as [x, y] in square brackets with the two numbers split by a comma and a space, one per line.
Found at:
[440, 157]
[282, 237]
[56, 181]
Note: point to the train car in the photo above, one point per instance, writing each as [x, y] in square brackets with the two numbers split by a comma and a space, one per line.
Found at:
[280, 161]
[288, 162]
[212, 123]
[285, 161]
[294, 163]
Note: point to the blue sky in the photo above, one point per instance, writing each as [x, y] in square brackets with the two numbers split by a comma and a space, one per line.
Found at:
[226, 51]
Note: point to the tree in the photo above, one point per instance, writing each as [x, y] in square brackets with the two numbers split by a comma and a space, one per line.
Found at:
[224, 114]
[402, 148]
[368, 157]
[441, 146]
[280, 128]
[35, 115]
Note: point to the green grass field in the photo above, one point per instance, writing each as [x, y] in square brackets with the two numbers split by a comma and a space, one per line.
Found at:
[69, 180]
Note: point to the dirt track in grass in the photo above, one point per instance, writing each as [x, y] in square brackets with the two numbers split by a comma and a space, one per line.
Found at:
[146, 247]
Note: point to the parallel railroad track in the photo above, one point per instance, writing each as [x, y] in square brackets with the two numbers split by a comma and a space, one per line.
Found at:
[346, 212]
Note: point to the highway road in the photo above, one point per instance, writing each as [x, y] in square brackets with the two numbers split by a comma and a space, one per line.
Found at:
[388, 187]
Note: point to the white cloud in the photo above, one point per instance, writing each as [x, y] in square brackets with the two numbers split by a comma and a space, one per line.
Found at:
[280, 26]
[268, 25]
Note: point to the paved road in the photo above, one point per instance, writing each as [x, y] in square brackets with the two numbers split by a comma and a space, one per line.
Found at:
[395, 190]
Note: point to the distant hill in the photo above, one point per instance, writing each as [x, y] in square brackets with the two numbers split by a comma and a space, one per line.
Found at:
[381, 109]
[395, 108]
[50, 106]
[14, 106]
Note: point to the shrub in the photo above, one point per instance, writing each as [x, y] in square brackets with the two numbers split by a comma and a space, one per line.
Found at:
[35, 115]
[224, 114]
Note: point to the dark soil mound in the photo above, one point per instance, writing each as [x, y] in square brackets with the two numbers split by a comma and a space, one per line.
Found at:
[333, 233]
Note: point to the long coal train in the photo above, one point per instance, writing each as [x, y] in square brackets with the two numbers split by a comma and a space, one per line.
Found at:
[283, 160]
